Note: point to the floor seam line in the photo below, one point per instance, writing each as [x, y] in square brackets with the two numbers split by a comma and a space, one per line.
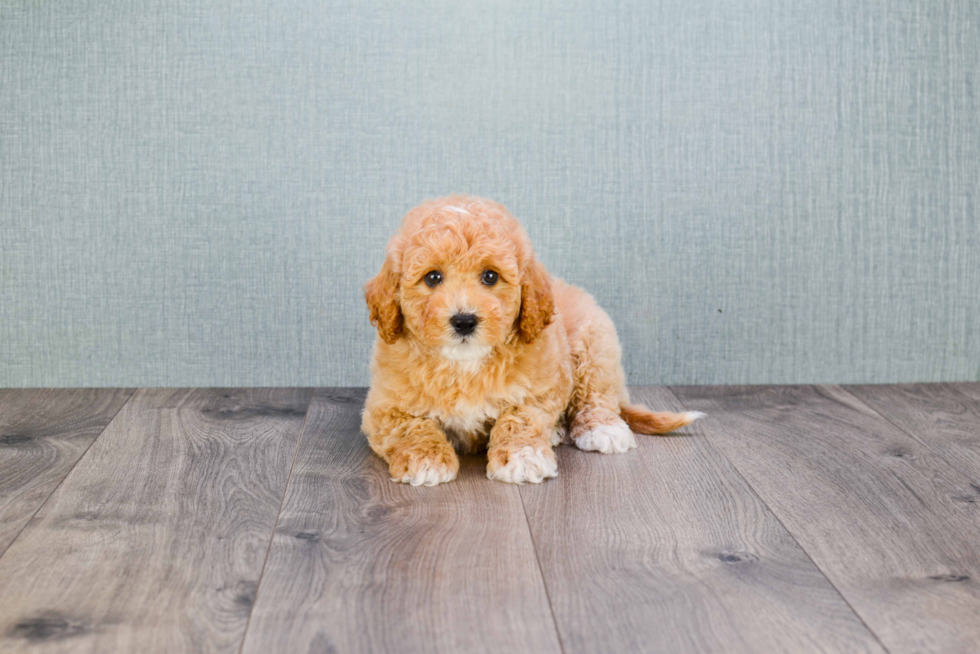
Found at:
[948, 460]
[796, 540]
[70, 470]
[272, 536]
[537, 561]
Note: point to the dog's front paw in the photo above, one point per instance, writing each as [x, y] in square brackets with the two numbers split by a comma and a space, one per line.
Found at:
[426, 466]
[608, 439]
[526, 464]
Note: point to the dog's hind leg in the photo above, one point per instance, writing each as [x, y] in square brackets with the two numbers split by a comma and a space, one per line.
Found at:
[601, 418]
[599, 385]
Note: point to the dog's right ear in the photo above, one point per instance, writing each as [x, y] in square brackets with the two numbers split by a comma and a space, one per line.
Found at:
[537, 302]
[381, 294]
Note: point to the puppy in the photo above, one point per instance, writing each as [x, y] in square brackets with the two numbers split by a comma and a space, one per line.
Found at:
[479, 347]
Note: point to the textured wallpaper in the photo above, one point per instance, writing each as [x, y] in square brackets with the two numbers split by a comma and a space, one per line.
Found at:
[193, 193]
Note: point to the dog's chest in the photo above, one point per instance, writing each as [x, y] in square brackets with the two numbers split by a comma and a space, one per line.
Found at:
[467, 426]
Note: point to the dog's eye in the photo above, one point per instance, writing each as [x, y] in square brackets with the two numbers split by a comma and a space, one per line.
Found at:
[489, 277]
[433, 278]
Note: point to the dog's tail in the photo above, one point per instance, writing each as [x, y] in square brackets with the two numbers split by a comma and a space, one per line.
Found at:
[644, 421]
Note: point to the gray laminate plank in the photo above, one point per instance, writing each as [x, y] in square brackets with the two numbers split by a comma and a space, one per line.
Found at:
[667, 549]
[156, 539]
[969, 389]
[363, 564]
[891, 524]
[936, 415]
[43, 433]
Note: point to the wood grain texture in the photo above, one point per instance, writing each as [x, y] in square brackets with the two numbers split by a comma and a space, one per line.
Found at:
[891, 524]
[939, 416]
[43, 433]
[362, 564]
[156, 540]
[666, 549]
[969, 389]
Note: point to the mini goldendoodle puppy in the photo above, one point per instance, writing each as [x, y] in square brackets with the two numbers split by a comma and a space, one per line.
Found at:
[478, 347]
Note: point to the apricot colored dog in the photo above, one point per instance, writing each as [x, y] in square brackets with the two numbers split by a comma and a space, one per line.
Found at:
[479, 347]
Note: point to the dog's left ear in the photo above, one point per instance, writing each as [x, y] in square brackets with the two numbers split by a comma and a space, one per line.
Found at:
[381, 294]
[537, 302]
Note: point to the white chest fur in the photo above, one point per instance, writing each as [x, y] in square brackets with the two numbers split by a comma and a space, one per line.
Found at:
[467, 426]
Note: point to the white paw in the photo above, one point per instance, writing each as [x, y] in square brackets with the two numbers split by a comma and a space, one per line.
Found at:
[428, 473]
[526, 465]
[608, 439]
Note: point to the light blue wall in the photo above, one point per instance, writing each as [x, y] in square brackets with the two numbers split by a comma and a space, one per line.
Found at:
[193, 192]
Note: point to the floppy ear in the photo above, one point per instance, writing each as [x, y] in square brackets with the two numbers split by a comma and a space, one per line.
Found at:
[381, 294]
[537, 302]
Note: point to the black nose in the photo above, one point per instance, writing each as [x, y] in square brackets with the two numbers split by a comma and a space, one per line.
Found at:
[463, 323]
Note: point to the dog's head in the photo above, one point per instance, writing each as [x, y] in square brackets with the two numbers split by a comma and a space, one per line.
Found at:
[460, 277]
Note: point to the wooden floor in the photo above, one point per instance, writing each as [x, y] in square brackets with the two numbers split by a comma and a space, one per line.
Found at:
[791, 519]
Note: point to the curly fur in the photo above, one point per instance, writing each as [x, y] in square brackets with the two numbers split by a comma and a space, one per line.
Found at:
[544, 357]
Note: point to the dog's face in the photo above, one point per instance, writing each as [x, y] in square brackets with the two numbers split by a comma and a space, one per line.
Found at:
[460, 278]
[458, 296]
